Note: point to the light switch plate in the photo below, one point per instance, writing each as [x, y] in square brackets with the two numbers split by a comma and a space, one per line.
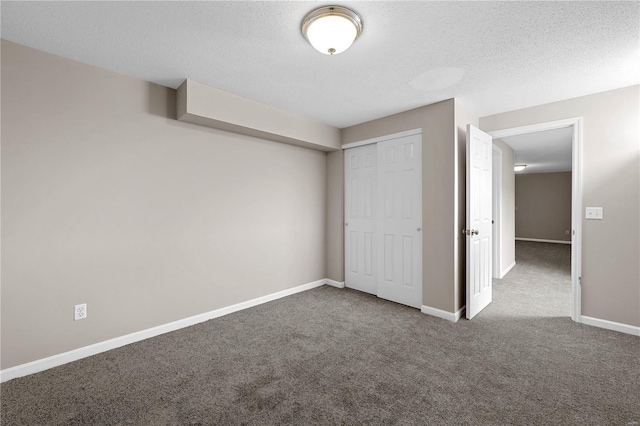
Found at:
[593, 213]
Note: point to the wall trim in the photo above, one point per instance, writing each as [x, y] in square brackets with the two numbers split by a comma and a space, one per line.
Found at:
[496, 206]
[106, 345]
[507, 269]
[382, 138]
[449, 316]
[532, 128]
[539, 240]
[338, 284]
[460, 312]
[610, 325]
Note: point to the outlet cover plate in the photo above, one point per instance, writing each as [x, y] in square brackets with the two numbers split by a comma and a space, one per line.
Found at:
[80, 312]
[593, 213]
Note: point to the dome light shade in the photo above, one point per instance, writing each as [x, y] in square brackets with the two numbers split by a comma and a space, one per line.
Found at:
[331, 29]
[519, 167]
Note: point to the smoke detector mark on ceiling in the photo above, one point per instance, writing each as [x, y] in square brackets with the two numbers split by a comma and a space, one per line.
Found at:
[437, 79]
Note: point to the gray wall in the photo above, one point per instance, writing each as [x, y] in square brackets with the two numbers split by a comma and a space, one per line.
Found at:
[508, 206]
[543, 206]
[439, 192]
[108, 200]
[611, 179]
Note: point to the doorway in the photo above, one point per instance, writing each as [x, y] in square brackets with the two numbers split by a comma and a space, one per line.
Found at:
[575, 124]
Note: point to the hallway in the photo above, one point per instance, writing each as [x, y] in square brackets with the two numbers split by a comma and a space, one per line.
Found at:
[539, 284]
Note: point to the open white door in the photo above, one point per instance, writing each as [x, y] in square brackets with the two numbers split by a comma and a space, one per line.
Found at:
[478, 230]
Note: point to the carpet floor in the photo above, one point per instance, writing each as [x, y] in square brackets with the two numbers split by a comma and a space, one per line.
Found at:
[337, 356]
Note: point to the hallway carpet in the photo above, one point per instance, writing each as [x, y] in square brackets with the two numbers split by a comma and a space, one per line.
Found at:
[330, 356]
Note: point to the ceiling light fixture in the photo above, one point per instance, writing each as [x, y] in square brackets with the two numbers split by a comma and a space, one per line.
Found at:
[519, 167]
[331, 29]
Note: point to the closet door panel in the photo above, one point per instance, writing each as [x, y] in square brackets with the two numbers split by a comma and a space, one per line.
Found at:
[360, 218]
[400, 173]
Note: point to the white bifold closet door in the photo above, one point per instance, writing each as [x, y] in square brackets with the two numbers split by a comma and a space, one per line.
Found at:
[383, 212]
[360, 218]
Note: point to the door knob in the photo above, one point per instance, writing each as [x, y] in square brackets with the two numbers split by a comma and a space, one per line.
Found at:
[474, 232]
[419, 229]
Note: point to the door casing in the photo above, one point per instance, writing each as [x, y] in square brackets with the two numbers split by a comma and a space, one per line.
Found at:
[496, 183]
[576, 197]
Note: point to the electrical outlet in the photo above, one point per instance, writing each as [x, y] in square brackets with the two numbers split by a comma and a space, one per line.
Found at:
[79, 312]
[593, 213]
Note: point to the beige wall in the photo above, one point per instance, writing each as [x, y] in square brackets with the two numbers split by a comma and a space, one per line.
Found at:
[543, 206]
[611, 179]
[439, 192]
[209, 106]
[335, 216]
[508, 206]
[108, 200]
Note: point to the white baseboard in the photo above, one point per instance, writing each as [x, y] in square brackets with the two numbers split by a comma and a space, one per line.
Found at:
[335, 283]
[449, 316]
[87, 351]
[538, 240]
[610, 325]
[507, 269]
[460, 312]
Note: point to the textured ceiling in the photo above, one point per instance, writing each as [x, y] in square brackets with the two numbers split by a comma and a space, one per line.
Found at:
[543, 152]
[509, 55]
